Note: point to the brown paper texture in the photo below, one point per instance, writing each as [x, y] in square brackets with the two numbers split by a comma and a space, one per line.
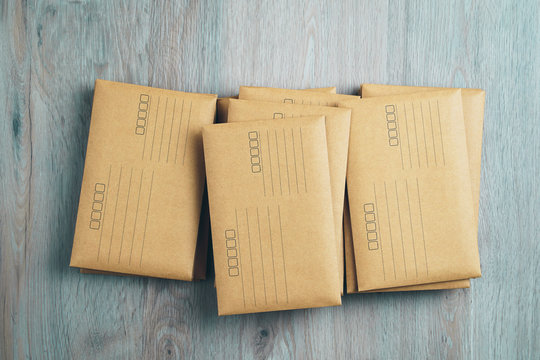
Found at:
[473, 101]
[288, 96]
[412, 221]
[337, 136]
[352, 286]
[329, 90]
[223, 103]
[222, 109]
[201, 252]
[272, 250]
[143, 181]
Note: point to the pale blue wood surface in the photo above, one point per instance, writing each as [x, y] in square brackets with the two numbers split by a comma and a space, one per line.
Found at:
[51, 53]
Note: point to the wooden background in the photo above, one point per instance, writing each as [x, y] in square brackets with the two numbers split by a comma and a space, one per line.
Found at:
[51, 53]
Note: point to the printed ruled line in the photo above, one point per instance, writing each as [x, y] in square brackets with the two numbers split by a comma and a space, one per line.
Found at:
[179, 129]
[416, 135]
[432, 135]
[261, 155]
[240, 257]
[303, 160]
[136, 217]
[295, 166]
[146, 132]
[170, 131]
[262, 258]
[424, 130]
[114, 216]
[163, 129]
[440, 131]
[125, 216]
[187, 133]
[401, 230]
[270, 161]
[251, 258]
[155, 127]
[379, 227]
[412, 231]
[278, 165]
[408, 139]
[287, 161]
[422, 223]
[283, 255]
[104, 209]
[147, 216]
[399, 138]
[272, 250]
[390, 231]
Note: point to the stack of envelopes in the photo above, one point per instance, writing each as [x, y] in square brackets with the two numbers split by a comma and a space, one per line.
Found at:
[413, 221]
[310, 192]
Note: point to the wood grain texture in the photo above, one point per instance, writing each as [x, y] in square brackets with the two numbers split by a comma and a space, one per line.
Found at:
[52, 52]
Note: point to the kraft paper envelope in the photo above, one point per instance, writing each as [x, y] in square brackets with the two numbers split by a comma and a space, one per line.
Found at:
[412, 221]
[292, 96]
[338, 122]
[223, 103]
[143, 182]
[272, 251]
[473, 111]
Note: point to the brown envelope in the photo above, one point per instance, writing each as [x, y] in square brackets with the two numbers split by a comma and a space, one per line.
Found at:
[272, 250]
[223, 103]
[337, 134]
[424, 230]
[143, 182]
[473, 111]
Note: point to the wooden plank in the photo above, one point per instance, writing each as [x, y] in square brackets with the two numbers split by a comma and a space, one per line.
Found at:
[69, 315]
[506, 302]
[16, 173]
